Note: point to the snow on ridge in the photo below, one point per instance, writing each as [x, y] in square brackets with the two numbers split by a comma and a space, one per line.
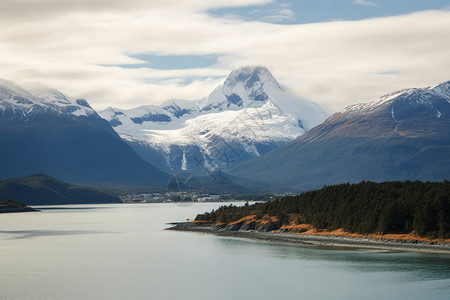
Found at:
[8, 89]
[142, 110]
[249, 75]
[250, 112]
[252, 124]
[441, 90]
[50, 95]
[247, 87]
[38, 98]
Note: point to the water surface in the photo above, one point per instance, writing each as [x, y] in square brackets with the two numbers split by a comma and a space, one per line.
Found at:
[121, 251]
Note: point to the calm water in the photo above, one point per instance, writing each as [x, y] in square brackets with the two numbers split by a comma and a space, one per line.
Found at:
[122, 252]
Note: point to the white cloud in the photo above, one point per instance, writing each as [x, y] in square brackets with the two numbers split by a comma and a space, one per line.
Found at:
[275, 15]
[365, 3]
[334, 63]
[282, 14]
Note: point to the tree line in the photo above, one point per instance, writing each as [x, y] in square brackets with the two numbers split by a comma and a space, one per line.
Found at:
[366, 207]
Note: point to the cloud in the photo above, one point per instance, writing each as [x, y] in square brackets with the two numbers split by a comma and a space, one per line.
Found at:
[79, 49]
[277, 15]
[365, 3]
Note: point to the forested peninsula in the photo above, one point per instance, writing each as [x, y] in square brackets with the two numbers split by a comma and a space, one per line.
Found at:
[417, 212]
[9, 206]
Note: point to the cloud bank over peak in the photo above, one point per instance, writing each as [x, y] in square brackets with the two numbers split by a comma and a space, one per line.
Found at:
[111, 52]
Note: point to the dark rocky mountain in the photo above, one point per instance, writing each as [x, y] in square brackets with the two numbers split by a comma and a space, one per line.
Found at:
[44, 131]
[401, 136]
[41, 189]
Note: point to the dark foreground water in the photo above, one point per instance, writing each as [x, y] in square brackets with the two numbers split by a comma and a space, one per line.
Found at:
[122, 252]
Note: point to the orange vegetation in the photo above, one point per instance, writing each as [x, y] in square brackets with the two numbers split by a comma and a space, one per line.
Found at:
[341, 232]
[246, 219]
[309, 229]
[202, 221]
[252, 218]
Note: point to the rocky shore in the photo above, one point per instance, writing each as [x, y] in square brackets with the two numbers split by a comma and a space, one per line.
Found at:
[277, 236]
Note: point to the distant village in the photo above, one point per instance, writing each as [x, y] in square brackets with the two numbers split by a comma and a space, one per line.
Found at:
[173, 197]
[194, 197]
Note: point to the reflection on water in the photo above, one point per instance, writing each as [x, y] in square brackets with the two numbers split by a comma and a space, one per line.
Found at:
[24, 234]
[420, 266]
[73, 207]
[122, 252]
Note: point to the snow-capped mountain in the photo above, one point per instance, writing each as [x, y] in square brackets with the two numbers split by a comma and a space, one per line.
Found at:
[404, 135]
[44, 131]
[410, 112]
[17, 103]
[245, 117]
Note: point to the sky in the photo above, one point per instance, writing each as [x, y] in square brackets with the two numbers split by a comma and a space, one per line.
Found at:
[127, 53]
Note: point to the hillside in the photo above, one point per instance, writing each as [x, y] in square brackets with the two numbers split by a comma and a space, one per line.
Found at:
[418, 208]
[41, 189]
[45, 131]
[400, 136]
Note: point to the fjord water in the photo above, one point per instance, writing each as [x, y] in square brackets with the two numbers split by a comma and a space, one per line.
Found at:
[122, 252]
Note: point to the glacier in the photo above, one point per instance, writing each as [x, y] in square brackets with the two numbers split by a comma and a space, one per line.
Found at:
[245, 117]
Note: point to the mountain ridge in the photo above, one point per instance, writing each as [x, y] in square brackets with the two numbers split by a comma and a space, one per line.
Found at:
[245, 117]
[399, 136]
[48, 132]
[42, 189]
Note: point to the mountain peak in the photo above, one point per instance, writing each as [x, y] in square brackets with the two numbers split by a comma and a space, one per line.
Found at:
[9, 89]
[443, 90]
[426, 98]
[251, 75]
[48, 94]
[36, 99]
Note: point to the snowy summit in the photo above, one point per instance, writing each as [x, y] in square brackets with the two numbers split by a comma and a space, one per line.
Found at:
[246, 116]
[16, 102]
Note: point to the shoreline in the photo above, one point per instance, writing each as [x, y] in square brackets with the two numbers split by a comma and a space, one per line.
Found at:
[16, 210]
[313, 240]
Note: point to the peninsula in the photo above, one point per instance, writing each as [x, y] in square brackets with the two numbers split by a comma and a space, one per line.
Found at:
[9, 206]
[397, 216]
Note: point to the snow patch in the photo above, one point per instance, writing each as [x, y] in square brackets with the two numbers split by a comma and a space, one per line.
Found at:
[393, 116]
[184, 162]
[39, 99]
[249, 107]
[415, 96]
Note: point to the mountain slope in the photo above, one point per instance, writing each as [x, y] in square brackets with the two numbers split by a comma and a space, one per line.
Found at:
[46, 132]
[41, 189]
[401, 136]
[247, 116]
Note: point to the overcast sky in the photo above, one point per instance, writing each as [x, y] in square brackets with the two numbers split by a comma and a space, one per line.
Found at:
[126, 53]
